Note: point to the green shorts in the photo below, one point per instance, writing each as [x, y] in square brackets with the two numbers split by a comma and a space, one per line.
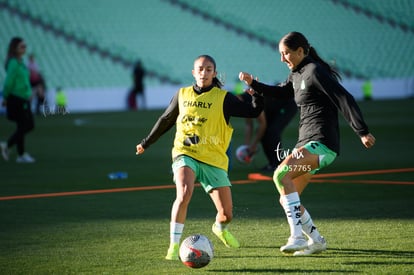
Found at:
[326, 155]
[208, 176]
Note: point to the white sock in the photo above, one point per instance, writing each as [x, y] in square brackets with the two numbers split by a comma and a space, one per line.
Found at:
[176, 230]
[309, 227]
[291, 205]
[221, 226]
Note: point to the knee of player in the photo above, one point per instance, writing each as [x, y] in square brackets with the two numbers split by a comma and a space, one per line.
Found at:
[279, 176]
[184, 198]
[182, 201]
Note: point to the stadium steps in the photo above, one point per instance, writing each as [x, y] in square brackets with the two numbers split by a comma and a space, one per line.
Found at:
[166, 35]
[264, 31]
[136, 35]
[228, 20]
[384, 11]
[358, 45]
[82, 39]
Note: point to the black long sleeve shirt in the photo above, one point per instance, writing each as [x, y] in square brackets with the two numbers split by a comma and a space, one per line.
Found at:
[232, 106]
[319, 96]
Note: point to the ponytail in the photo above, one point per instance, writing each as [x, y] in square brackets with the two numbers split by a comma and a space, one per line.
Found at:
[217, 83]
[312, 53]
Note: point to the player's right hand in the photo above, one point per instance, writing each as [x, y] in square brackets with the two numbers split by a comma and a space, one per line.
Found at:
[368, 140]
[140, 149]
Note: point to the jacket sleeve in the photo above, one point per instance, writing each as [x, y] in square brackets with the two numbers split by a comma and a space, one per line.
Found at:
[233, 106]
[11, 74]
[283, 90]
[164, 123]
[343, 100]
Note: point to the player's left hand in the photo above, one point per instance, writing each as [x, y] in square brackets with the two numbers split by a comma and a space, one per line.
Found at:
[140, 149]
[250, 91]
[368, 140]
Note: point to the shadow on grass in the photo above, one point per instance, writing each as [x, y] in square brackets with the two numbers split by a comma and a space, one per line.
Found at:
[280, 270]
[397, 263]
[337, 252]
[371, 252]
[333, 253]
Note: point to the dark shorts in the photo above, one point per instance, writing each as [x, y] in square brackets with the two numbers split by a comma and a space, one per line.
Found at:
[18, 109]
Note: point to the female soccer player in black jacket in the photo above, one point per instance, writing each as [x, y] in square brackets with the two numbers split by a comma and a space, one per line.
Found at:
[319, 96]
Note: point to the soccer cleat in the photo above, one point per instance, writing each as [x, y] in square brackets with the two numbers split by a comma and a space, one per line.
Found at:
[25, 158]
[172, 253]
[294, 244]
[4, 151]
[313, 248]
[226, 237]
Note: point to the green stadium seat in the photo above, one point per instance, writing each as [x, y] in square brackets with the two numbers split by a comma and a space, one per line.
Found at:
[166, 37]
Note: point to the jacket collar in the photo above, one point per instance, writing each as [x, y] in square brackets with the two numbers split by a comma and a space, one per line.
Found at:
[199, 90]
[302, 64]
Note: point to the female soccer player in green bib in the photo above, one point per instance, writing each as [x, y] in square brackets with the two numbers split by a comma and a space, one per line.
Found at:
[201, 114]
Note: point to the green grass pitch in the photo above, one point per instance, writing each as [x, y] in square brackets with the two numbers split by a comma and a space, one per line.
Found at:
[367, 221]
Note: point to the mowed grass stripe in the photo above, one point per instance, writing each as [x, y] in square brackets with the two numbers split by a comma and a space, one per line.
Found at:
[102, 191]
[252, 179]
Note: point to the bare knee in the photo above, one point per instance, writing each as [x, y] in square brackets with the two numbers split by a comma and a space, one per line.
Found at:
[183, 198]
[280, 177]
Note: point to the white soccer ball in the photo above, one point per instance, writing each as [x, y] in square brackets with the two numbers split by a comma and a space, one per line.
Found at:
[243, 155]
[196, 251]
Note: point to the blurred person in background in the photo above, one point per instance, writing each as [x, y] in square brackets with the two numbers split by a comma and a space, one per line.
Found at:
[276, 115]
[61, 101]
[137, 90]
[319, 95]
[17, 93]
[367, 89]
[37, 82]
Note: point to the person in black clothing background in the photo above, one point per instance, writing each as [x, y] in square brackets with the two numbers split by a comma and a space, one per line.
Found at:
[277, 114]
[137, 89]
[319, 95]
[17, 96]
